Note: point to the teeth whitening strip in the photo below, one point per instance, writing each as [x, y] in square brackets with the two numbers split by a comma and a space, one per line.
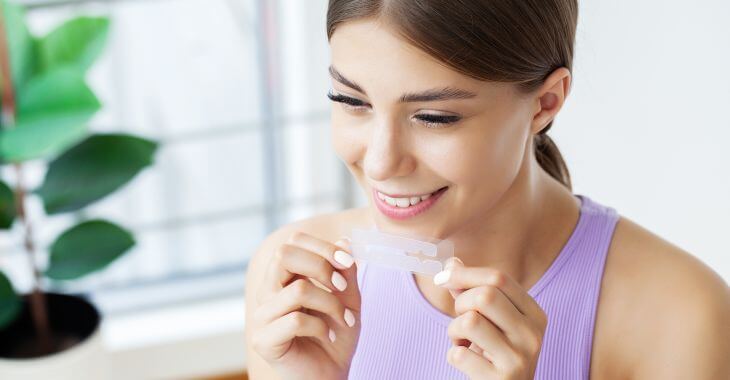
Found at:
[406, 252]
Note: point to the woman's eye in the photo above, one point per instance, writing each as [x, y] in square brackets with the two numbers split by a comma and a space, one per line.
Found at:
[437, 121]
[347, 102]
[430, 121]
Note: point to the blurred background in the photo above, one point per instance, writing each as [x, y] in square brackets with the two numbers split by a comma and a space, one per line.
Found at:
[234, 92]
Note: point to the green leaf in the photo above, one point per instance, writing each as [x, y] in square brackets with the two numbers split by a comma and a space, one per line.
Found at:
[52, 113]
[10, 304]
[7, 206]
[76, 43]
[93, 169]
[21, 44]
[86, 248]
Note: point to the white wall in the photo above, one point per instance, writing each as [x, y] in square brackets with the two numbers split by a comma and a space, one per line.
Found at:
[646, 128]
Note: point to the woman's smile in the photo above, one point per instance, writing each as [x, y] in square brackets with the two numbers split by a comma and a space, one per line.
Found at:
[406, 207]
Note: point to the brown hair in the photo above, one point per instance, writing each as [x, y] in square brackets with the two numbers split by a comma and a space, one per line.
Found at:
[516, 41]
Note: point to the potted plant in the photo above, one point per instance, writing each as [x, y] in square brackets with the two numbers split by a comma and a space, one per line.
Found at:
[46, 105]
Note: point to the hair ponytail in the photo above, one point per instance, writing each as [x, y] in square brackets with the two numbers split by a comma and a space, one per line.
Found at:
[550, 159]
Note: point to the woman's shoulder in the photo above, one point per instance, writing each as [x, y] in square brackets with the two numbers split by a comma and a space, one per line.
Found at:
[659, 306]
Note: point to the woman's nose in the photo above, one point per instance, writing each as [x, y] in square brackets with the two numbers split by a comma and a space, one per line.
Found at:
[387, 154]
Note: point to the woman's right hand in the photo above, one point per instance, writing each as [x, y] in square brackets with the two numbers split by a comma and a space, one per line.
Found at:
[302, 330]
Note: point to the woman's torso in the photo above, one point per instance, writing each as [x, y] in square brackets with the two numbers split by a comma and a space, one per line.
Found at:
[638, 295]
[633, 252]
[403, 336]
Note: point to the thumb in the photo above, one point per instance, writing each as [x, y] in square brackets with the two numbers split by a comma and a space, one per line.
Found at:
[451, 263]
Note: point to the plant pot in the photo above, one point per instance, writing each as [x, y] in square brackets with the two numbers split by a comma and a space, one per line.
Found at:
[78, 351]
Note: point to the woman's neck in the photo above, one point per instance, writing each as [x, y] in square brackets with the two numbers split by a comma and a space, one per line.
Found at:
[524, 231]
[521, 236]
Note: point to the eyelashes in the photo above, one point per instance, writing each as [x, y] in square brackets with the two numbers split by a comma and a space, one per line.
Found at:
[345, 99]
[431, 121]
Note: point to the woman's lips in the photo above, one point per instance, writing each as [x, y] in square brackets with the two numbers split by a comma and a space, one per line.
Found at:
[400, 213]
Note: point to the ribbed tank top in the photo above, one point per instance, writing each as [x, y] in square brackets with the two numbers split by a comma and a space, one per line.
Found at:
[403, 336]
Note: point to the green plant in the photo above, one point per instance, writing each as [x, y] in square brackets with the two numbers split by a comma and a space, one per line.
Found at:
[46, 105]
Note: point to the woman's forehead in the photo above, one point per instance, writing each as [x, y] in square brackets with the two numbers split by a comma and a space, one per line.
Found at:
[369, 47]
[374, 55]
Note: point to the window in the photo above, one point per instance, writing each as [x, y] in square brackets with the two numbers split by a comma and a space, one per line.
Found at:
[235, 93]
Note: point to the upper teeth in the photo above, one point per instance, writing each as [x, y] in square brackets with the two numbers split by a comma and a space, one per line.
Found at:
[403, 202]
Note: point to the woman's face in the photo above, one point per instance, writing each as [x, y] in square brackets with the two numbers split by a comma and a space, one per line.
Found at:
[474, 143]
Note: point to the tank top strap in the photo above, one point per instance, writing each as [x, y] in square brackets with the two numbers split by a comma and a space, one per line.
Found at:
[569, 291]
[593, 230]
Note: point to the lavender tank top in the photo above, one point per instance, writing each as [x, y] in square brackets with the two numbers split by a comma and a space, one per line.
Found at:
[403, 336]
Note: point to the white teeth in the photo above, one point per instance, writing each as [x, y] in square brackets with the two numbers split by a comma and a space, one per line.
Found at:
[402, 202]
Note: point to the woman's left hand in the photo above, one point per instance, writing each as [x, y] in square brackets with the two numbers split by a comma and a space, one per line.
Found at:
[499, 328]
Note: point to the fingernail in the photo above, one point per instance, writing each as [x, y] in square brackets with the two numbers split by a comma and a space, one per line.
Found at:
[451, 262]
[338, 281]
[441, 277]
[344, 242]
[349, 317]
[332, 336]
[344, 258]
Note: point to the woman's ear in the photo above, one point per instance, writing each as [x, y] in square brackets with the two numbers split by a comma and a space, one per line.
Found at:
[550, 98]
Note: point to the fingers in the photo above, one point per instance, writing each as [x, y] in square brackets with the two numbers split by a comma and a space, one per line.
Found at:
[472, 364]
[350, 296]
[501, 301]
[272, 341]
[290, 261]
[462, 277]
[339, 258]
[478, 350]
[493, 304]
[340, 254]
[450, 264]
[310, 286]
[473, 327]
[302, 293]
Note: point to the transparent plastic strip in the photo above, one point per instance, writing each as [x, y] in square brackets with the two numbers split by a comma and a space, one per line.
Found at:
[406, 252]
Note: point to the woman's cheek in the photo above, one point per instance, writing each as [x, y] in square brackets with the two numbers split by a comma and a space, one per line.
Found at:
[340, 147]
[459, 158]
[486, 164]
[345, 140]
[503, 159]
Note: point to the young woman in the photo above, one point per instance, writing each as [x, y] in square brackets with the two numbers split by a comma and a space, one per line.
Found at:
[441, 110]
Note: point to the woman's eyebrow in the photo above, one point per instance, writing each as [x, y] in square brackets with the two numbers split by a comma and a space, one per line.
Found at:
[437, 94]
